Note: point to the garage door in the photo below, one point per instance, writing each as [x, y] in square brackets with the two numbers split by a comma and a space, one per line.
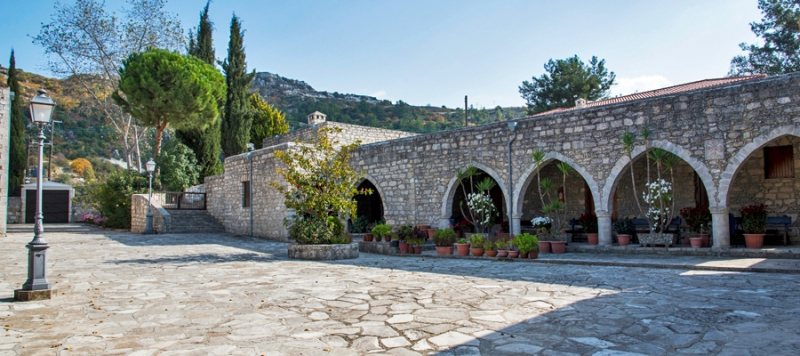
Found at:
[55, 206]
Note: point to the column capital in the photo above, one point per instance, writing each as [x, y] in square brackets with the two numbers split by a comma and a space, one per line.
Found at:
[602, 214]
[718, 209]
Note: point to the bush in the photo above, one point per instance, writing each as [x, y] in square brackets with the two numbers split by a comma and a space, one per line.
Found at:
[476, 240]
[113, 198]
[754, 219]
[625, 226]
[697, 218]
[526, 243]
[360, 225]
[444, 237]
[310, 231]
[381, 230]
[178, 166]
[405, 232]
[78, 165]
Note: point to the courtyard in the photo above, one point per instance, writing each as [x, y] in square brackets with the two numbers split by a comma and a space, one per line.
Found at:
[219, 294]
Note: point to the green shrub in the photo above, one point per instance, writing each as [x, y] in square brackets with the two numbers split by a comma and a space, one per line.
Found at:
[625, 226]
[405, 232]
[444, 237]
[526, 243]
[381, 230]
[113, 198]
[461, 241]
[359, 225]
[476, 240]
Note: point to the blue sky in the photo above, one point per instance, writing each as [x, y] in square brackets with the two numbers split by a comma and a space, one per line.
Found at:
[435, 52]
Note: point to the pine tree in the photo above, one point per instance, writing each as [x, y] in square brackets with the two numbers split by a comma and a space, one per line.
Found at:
[17, 154]
[205, 143]
[237, 118]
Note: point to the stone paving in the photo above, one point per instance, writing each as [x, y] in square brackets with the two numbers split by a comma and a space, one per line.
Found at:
[217, 294]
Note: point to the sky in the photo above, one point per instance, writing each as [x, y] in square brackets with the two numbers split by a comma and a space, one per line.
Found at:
[436, 52]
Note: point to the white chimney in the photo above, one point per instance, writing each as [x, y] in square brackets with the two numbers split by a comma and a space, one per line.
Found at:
[580, 103]
[316, 117]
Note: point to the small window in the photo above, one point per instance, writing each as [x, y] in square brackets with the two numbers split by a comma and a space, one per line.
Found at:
[245, 194]
[778, 162]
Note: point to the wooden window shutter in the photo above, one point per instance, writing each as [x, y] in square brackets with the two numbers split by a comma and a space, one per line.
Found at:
[779, 162]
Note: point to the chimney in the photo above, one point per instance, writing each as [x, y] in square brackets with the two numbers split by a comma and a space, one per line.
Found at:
[580, 103]
[316, 117]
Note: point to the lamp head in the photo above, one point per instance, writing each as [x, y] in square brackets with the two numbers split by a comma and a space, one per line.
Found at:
[250, 147]
[512, 125]
[42, 108]
[150, 166]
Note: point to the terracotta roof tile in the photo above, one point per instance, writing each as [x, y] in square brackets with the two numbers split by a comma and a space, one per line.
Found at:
[663, 91]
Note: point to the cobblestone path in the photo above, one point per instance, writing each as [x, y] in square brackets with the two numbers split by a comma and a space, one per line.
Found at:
[120, 293]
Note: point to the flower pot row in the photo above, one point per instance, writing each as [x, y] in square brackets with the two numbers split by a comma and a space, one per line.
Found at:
[552, 246]
[369, 237]
[466, 250]
[407, 248]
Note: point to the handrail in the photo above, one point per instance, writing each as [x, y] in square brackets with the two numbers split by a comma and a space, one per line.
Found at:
[182, 200]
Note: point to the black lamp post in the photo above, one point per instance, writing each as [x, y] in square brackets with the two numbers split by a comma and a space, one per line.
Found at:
[148, 225]
[37, 287]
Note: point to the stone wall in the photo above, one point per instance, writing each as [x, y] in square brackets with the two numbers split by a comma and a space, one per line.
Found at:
[15, 213]
[350, 133]
[161, 218]
[5, 128]
[713, 131]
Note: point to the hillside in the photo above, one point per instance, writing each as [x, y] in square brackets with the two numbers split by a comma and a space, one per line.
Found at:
[83, 133]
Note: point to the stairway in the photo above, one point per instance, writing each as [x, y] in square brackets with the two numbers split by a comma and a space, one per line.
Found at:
[193, 221]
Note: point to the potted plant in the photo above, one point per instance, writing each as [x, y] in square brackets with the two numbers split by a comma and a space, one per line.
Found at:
[625, 230]
[513, 252]
[528, 245]
[380, 231]
[463, 247]
[697, 219]
[589, 223]
[542, 224]
[754, 223]
[554, 205]
[395, 242]
[405, 232]
[476, 245]
[502, 247]
[480, 210]
[418, 235]
[444, 240]
[489, 247]
[416, 244]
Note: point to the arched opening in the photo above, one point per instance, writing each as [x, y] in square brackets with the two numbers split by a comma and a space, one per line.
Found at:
[459, 213]
[369, 210]
[576, 194]
[768, 175]
[688, 191]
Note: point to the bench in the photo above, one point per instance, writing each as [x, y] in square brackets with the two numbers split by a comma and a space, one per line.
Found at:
[736, 226]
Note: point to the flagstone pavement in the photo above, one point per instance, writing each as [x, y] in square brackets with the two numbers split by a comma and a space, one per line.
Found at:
[218, 294]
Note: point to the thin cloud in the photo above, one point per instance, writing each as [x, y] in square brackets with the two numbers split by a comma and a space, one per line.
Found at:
[625, 86]
[380, 94]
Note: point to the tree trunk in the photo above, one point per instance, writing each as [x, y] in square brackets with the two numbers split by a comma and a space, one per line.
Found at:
[138, 153]
[157, 143]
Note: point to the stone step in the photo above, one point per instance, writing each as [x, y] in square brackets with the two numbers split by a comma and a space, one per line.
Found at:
[194, 221]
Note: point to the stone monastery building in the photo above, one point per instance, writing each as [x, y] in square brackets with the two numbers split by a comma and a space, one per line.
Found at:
[738, 140]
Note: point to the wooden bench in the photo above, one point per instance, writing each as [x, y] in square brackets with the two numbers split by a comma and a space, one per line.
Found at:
[736, 226]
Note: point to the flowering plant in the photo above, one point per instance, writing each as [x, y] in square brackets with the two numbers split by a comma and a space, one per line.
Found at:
[658, 194]
[696, 218]
[92, 218]
[556, 208]
[754, 219]
[480, 207]
[542, 222]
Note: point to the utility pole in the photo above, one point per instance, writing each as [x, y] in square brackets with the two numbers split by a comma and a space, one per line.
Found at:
[52, 139]
[466, 111]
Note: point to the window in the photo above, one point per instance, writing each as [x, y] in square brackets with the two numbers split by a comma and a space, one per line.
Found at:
[778, 162]
[245, 194]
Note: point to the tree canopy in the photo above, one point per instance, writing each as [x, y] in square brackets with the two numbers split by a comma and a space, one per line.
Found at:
[267, 121]
[178, 166]
[17, 151]
[237, 118]
[567, 80]
[780, 31]
[159, 87]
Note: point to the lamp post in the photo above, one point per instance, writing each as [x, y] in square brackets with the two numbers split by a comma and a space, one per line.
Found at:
[148, 221]
[512, 125]
[37, 287]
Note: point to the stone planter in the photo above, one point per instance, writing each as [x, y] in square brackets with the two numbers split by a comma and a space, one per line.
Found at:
[754, 240]
[558, 246]
[544, 246]
[656, 238]
[323, 252]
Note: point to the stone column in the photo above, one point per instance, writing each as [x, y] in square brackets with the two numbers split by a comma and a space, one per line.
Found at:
[721, 228]
[603, 227]
[444, 223]
[515, 224]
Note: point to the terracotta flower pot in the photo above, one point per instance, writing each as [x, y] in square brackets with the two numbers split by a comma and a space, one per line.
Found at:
[624, 240]
[404, 247]
[423, 227]
[387, 238]
[477, 252]
[544, 246]
[754, 240]
[696, 242]
[492, 253]
[513, 254]
[368, 237]
[533, 255]
[444, 250]
[431, 232]
[502, 253]
[459, 233]
[558, 246]
[593, 239]
[706, 239]
[417, 250]
[463, 249]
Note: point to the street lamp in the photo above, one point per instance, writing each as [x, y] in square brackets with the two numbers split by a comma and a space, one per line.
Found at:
[512, 125]
[37, 287]
[148, 222]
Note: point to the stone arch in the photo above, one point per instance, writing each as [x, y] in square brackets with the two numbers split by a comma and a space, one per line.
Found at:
[615, 175]
[527, 177]
[378, 190]
[745, 152]
[452, 186]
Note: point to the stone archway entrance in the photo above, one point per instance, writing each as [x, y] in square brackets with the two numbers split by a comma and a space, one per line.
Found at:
[369, 206]
[459, 212]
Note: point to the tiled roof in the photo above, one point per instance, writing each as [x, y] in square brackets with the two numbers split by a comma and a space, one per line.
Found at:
[663, 91]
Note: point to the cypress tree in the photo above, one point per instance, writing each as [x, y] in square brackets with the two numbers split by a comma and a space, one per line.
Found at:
[237, 119]
[17, 154]
[205, 143]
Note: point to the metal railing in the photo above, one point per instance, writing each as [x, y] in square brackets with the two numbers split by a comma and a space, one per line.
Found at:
[182, 200]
